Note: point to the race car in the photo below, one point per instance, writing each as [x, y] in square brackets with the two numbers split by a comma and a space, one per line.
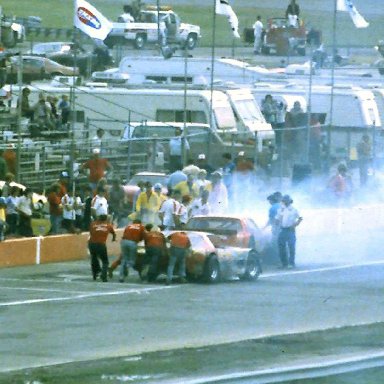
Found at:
[209, 260]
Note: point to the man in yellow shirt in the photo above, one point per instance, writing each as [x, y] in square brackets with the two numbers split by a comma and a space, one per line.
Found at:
[188, 187]
[147, 205]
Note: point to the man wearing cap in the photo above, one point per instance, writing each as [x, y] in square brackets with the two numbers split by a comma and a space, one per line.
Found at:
[288, 218]
[176, 150]
[203, 164]
[99, 204]
[147, 204]
[169, 211]
[97, 167]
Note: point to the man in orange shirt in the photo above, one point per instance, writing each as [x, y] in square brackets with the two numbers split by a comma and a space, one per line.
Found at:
[133, 234]
[97, 167]
[180, 246]
[154, 248]
[98, 232]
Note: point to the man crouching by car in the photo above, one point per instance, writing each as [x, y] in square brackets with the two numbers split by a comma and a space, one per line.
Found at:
[180, 246]
[154, 248]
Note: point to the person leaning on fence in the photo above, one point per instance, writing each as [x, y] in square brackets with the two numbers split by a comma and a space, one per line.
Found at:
[98, 232]
[25, 210]
[12, 215]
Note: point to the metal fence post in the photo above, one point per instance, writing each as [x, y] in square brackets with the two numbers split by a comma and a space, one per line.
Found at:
[44, 167]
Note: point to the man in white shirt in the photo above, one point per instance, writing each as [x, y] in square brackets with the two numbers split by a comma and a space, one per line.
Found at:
[99, 204]
[258, 32]
[288, 218]
[170, 210]
[176, 150]
[126, 17]
[218, 196]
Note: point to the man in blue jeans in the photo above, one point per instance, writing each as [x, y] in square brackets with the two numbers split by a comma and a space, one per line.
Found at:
[288, 217]
[178, 252]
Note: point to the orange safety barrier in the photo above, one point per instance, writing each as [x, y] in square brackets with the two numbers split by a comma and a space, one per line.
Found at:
[50, 249]
[16, 252]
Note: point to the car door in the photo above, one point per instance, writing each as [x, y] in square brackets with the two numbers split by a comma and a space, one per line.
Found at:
[33, 69]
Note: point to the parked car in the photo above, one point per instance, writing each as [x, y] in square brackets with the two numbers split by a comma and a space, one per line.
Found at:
[69, 53]
[210, 260]
[237, 231]
[38, 68]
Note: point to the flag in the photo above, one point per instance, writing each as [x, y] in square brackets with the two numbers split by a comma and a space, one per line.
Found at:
[223, 8]
[347, 6]
[88, 19]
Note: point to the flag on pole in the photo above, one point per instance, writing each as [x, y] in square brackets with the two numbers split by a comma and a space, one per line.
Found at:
[88, 19]
[347, 6]
[223, 8]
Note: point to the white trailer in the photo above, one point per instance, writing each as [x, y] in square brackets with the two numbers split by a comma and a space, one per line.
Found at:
[229, 113]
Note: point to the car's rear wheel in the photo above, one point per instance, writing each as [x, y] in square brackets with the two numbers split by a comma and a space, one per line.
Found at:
[212, 270]
[253, 268]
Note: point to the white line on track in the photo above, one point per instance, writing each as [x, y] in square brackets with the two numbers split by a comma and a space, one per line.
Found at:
[83, 296]
[43, 290]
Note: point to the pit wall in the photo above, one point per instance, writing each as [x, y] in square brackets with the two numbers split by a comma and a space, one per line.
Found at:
[50, 249]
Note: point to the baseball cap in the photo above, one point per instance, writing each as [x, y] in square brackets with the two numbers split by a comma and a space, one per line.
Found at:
[157, 187]
[201, 156]
[96, 151]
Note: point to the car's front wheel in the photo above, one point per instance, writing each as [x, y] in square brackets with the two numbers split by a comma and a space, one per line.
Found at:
[212, 270]
[253, 268]
[191, 41]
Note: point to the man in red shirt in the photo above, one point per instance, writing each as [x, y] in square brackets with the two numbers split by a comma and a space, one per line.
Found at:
[180, 246]
[133, 234]
[55, 209]
[154, 248]
[97, 167]
[98, 232]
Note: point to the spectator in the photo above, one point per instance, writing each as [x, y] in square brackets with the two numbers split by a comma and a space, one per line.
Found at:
[26, 109]
[79, 210]
[292, 14]
[218, 197]
[188, 187]
[200, 206]
[69, 215]
[275, 201]
[10, 158]
[202, 163]
[87, 215]
[99, 204]
[116, 202]
[65, 109]
[98, 232]
[63, 183]
[55, 208]
[340, 185]
[364, 149]
[25, 209]
[3, 166]
[133, 234]
[169, 211]
[97, 141]
[9, 178]
[3, 216]
[228, 169]
[281, 112]
[43, 114]
[147, 204]
[97, 167]
[258, 33]
[12, 216]
[180, 246]
[202, 182]
[155, 246]
[126, 17]
[269, 109]
[176, 145]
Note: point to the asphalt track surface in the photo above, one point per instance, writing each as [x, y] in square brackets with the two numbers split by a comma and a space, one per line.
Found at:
[55, 314]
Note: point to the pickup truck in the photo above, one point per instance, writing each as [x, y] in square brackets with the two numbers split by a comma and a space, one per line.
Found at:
[147, 29]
